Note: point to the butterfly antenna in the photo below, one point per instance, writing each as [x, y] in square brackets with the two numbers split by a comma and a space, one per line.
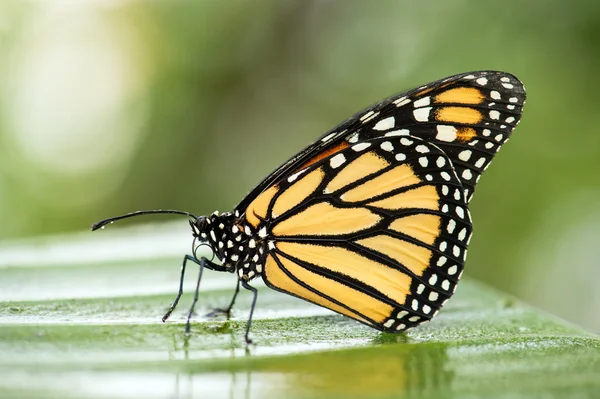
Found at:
[102, 223]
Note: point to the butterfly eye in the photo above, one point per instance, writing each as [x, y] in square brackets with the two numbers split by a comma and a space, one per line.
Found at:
[198, 225]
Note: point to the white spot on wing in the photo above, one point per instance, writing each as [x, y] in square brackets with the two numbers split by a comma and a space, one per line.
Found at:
[337, 160]
[385, 124]
[422, 102]
[400, 132]
[360, 146]
[464, 155]
[387, 146]
[482, 81]
[446, 133]
[422, 114]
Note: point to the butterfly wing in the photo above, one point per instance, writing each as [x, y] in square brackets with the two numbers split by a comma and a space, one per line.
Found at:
[371, 220]
[377, 231]
[469, 116]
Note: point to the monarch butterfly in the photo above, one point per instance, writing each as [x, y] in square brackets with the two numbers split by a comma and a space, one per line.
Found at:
[371, 220]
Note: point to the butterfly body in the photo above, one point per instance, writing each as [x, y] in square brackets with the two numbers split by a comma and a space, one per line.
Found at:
[372, 220]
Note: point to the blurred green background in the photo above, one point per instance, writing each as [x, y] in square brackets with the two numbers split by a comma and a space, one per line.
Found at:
[108, 107]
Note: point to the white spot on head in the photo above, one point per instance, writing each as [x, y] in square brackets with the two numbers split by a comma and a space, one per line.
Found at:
[400, 157]
[467, 175]
[482, 81]
[258, 268]
[452, 270]
[361, 146]
[495, 95]
[385, 124]
[494, 114]
[422, 102]
[423, 162]
[221, 244]
[337, 160]
[234, 257]
[422, 114]
[446, 133]
[387, 146]
[400, 132]
[465, 155]
[234, 229]
[252, 243]
[229, 244]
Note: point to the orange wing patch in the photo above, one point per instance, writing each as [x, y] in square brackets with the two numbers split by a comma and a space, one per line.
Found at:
[324, 154]
[389, 281]
[414, 257]
[363, 303]
[464, 115]
[324, 219]
[298, 192]
[461, 95]
[260, 206]
[400, 176]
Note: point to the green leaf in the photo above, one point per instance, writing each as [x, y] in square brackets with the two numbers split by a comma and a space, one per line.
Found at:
[71, 327]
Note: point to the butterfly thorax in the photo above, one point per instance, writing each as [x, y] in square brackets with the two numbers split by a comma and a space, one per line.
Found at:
[237, 246]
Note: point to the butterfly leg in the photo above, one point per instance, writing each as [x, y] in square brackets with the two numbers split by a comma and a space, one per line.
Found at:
[255, 293]
[176, 301]
[187, 324]
[227, 310]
